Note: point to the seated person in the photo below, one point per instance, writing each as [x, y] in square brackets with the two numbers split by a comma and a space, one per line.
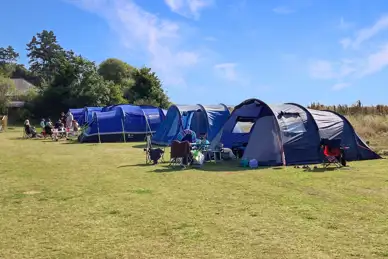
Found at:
[49, 128]
[203, 143]
[59, 125]
[42, 123]
[75, 126]
[189, 138]
[30, 131]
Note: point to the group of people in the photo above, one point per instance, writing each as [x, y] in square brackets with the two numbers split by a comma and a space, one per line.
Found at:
[63, 126]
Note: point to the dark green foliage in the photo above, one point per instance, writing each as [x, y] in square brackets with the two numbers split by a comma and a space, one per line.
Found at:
[45, 56]
[115, 70]
[147, 89]
[8, 59]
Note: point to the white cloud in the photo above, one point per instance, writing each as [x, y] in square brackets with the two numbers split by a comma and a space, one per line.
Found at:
[158, 40]
[343, 25]
[322, 69]
[375, 62]
[340, 86]
[346, 43]
[188, 8]
[367, 33]
[227, 71]
[282, 10]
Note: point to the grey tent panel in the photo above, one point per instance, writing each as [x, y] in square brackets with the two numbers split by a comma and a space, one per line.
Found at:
[335, 126]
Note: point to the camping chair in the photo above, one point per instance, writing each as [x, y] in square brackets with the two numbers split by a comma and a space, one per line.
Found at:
[239, 148]
[180, 153]
[26, 133]
[153, 154]
[333, 153]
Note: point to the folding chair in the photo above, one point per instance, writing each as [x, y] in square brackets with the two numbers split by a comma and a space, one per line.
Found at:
[333, 153]
[153, 154]
[180, 153]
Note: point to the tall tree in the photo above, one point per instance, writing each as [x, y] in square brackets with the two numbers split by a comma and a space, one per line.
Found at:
[77, 83]
[115, 70]
[8, 59]
[45, 55]
[147, 89]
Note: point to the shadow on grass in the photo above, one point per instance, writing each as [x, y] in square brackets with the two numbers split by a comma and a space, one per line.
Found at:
[141, 146]
[226, 167]
[136, 165]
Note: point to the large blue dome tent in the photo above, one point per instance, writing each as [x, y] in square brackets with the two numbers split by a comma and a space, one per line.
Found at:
[122, 122]
[88, 115]
[283, 134]
[202, 119]
[77, 113]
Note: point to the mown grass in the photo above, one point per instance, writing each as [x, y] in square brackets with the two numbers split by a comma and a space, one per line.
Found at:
[63, 200]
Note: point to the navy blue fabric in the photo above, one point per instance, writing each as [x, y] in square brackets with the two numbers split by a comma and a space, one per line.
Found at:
[124, 121]
[88, 115]
[299, 134]
[198, 118]
[77, 113]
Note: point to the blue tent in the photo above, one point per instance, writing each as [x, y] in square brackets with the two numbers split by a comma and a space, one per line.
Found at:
[332, 125]
[88, 115]
[201, 119]
[77, 113]
[122, 122]
[273, 135]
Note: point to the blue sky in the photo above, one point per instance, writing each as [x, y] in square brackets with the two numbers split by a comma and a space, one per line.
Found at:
[211, 51]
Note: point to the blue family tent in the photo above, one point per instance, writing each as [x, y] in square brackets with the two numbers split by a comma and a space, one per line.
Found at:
[283, 134]
[332, 125]
[88, 115]
[286, 134]
[202, 119]
[77, 113]
[122, 123]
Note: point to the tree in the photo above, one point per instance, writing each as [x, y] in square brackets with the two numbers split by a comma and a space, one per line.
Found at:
[45, 56]
[8, 59]
[7, 89]
[147, 89]
[115, 70]
[76, 84]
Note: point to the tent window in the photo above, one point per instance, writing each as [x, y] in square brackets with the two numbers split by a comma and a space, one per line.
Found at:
[293, 123]
[243, 127]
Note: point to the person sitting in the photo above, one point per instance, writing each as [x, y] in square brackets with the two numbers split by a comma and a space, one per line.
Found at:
[42, 123]
[59, 125]
[49, 128]
[75, 126]
[63, 118]
[29, 130]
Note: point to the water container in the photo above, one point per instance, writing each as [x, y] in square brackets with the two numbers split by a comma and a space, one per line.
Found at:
[253, 163]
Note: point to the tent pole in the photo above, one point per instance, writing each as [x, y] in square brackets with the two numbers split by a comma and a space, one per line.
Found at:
[122, 125]
[148, 126]
[98, 131]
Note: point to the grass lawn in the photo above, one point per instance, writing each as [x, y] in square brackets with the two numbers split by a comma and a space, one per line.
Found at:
[63, 200]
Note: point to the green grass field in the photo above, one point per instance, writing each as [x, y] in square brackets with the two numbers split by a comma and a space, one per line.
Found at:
[63, 200]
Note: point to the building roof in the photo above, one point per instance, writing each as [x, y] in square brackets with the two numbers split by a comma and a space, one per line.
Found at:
[21, 85]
